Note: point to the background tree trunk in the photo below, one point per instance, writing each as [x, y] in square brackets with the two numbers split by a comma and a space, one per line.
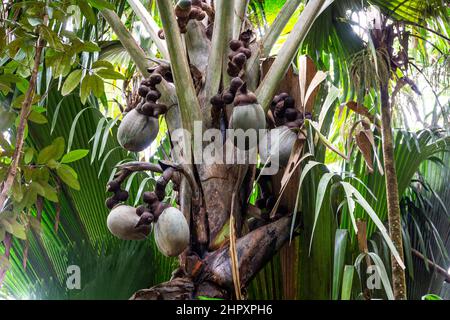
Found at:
[395, 226]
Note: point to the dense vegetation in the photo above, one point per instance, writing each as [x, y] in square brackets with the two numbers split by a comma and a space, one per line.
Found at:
[358, 211]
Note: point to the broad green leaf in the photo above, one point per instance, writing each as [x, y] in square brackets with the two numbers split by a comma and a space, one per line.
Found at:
[72, 81]
[340, 246]
[74, 155]
[49, 191]
[97, 86]
[347, 282]
[109, 74]
[90, 46]
[46, 154]
[37, 117]
[102, 64]
[101, 4]
[321, 190]
[6, 119]
[87, 11]
[85, 90]
[68, 176]
[28, 156]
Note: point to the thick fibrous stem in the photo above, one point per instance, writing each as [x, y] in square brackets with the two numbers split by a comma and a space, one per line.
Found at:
[269, 85]
[253, 250]
[24, 113]
[395, 226]
[218, 55]
[187, 97]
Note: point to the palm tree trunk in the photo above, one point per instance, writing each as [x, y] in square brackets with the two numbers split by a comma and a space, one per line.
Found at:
[395, 227]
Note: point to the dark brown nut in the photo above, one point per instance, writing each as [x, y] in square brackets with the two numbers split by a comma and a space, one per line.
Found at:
[155, 79]
[111, 203]
[153, 95]
[246, 36]
[141, 209]
[122, 195]
[146, 82]
[235, 45]
[235, 84]
[147, 109]
[239, 60]
[143, 90]
[183, 8]
[195, 13]
[161, 34]
[308, 115]
[201, 16]
[197, 3]
[113, 186]
[290, 114]
[233, 70]
[217, 101]
[289, 102]
[159, 109]
[228, 97]
[247, 52]
[150, 197]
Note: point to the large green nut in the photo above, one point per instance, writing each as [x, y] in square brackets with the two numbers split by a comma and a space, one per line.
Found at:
[122, 221]
[171, 232]
[276, 145]
[137, 131]
[247, 117]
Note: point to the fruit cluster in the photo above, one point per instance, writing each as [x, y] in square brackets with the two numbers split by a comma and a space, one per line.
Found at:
[241, 53]
[150, 95]
[236, 66]
[285, 112]
[119, 194]
[187, 10]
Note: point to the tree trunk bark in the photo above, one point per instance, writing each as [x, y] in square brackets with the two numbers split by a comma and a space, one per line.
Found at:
[392, 196]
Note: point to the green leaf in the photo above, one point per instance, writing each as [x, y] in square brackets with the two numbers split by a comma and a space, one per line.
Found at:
[28, 156]
[347, 282]
[74, 155]
[90, 47]
[321, 190]
[101, 4]
[87, 11]
[37, 117]
[383, 274]
[49, 191]
[109, 74]
[54, 151]
[96, 137]
[97, 86]
[72, 81]
[102, 64]
[431, 297]
[68, 176]
[340, 246]
[84, 89]
[6, 119]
